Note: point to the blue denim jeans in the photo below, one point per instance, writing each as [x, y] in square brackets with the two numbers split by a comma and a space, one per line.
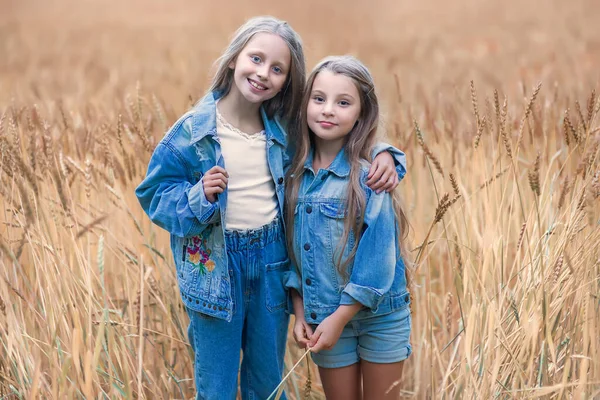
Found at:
[257, 261]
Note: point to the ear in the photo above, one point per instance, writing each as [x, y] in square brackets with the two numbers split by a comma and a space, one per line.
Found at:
[231, 65]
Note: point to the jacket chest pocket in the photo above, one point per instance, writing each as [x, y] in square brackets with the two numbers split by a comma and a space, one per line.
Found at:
[333, 216]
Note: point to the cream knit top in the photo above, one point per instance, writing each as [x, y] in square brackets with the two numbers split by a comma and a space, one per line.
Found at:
[251, 197]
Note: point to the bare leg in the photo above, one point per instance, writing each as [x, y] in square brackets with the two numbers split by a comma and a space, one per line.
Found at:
[381, 381]
[341, 383]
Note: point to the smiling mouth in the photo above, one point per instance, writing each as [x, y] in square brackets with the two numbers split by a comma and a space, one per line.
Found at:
[326, 123]
[257, 85]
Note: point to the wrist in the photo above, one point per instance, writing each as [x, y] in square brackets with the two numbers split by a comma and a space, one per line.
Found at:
[298, 304]
[345, 312]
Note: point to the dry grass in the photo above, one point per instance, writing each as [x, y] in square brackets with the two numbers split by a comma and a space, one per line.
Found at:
[508, 298]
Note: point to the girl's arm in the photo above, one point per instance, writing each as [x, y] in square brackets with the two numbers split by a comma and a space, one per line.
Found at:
[302, 330]
[375, 260]
[329, 331]
[372, 274]
[388, 168]
[170, 200]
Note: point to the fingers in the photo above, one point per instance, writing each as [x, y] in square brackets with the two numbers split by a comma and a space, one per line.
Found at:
[215, 183]
[318, 346]
[383, 178]
[216, 177]
[392, 183]
[216, 169]
[374, 173]
[215, 180]
[315, 338]
[302, 334]
[308, 330]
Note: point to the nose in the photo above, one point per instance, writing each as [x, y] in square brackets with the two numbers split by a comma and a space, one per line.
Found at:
[327, 109]
[262, 72]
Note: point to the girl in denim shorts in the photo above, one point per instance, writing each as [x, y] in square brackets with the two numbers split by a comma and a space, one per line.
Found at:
[216, 183]
[348, 280]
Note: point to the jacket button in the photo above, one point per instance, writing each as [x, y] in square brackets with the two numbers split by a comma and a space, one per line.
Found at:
[214, 307]
[197, 301]
[308, 281]
[308, 209]
[313, 315]
[280, 181]
[220, 308]
[204, 304]
[306, 246]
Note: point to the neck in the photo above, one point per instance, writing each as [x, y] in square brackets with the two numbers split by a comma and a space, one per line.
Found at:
[237, 110]
[325, 152]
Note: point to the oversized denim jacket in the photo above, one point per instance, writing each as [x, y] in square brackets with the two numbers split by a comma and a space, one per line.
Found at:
[376, 277]
[173, 197]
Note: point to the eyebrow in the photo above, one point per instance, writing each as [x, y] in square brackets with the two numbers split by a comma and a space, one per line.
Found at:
[262, 53]
[318, 91]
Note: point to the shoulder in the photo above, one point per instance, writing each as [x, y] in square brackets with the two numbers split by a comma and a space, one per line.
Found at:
[365, 166]
[182, 128]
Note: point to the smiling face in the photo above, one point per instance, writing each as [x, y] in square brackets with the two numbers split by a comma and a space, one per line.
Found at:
[261, 68]
[333, 107]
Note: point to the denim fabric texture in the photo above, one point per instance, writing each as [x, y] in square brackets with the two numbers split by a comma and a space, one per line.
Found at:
[379, 339]
[375, 278]
[257, 262]
[234, 293]
[173, 197]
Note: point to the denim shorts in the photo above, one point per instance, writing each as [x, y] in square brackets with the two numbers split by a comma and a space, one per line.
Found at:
[381, 339]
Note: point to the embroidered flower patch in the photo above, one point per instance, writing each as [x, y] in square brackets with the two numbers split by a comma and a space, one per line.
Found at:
[199, 254]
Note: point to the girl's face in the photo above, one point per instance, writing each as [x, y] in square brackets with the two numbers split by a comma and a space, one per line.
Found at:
[261, 68]
[333, 107]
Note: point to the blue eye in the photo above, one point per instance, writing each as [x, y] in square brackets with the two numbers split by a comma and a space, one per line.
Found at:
[277, 70]
[255, 59]
[344, 103]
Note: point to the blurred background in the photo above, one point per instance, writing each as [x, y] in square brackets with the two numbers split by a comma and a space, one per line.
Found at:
[508, 296]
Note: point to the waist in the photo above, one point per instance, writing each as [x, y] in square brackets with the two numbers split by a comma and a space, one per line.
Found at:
[241, 239]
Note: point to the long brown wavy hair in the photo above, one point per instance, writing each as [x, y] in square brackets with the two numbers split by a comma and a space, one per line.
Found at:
[358, 146]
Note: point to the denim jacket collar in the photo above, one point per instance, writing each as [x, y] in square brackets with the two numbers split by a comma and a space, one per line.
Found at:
[339, 166]
[204, 121]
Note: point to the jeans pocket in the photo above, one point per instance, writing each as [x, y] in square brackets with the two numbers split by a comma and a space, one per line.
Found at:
[276, 294]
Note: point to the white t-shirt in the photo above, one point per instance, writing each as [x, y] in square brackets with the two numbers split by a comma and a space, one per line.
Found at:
[251, 197]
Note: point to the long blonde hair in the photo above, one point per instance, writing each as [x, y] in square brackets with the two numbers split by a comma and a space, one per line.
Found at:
[357, 147]
[287, 102]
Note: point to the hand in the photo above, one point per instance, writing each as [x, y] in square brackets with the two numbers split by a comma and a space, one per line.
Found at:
[327, 334]
[382, 175]
[302, 332]
[214, 182]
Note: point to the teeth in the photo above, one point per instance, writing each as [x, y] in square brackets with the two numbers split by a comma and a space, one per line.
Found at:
[259, 87]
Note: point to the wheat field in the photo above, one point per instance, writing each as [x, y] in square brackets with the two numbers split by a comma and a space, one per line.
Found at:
[495, 104]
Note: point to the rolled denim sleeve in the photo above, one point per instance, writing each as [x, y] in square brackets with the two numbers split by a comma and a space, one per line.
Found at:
[206, 211]
[293, 279]
[398, 155]
[170, 200]
[375, 261]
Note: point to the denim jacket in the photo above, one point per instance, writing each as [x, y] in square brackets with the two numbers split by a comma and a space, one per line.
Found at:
[173, 197]
[376, 277]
